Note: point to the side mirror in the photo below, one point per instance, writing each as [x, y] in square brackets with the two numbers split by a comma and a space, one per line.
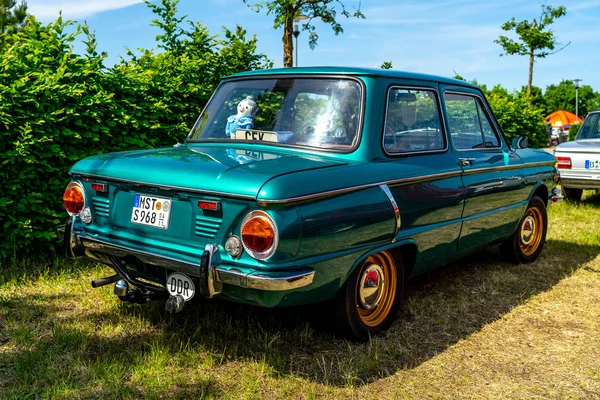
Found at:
[520, 143]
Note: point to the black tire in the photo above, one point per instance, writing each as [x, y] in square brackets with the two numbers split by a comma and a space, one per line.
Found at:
[527, 242]
[572, 194]
[355, 321]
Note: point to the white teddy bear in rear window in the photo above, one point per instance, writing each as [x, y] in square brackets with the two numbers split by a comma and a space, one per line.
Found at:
[244, 119]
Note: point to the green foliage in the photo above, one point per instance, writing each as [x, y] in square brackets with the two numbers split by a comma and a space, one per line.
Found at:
[536, 39]
[12, 14]
[562, 97]
[573, 130]
[518, 117]
[516, 113]
[58, 107]
[285, 11]
[387, 65]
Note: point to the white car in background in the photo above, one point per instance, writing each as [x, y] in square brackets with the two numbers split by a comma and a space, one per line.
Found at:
[579, 160]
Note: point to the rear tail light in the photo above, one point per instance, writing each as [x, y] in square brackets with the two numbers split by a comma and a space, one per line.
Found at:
[259, 235]
[73, 198]
[99, 187]
[564, 162]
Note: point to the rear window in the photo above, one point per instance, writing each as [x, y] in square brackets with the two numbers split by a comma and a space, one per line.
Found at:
[324, 113]
[590, 128]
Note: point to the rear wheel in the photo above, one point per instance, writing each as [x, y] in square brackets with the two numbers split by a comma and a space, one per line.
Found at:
[572, 194]
[526, 244]
[367, 303]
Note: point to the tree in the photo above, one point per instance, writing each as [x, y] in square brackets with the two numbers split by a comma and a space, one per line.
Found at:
[536, 40]
[12, 15]
[536, 98]
[387, 65]
[562, 97]
[285, 11]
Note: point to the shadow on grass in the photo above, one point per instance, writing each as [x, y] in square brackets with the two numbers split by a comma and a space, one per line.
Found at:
[439, 309]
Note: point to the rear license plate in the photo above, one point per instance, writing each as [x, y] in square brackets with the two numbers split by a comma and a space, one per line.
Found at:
[151, 211]
[592, 164]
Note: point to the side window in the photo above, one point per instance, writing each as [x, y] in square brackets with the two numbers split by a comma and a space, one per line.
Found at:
[469, 125]
[412, 122]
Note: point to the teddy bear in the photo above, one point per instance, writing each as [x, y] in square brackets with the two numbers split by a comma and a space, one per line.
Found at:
[244, 119]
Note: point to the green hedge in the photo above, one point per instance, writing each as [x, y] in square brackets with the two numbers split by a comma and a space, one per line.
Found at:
[57, 107]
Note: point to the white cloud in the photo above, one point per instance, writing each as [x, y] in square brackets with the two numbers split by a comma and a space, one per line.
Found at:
[49, 9]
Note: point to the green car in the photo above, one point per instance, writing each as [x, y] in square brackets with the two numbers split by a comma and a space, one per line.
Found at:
[306, 185]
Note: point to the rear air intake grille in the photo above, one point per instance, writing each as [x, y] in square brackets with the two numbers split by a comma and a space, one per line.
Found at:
[101, 206]
[207, 226]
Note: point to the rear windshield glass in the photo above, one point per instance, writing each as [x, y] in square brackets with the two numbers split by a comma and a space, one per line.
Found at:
[590, 128]
[314, 112]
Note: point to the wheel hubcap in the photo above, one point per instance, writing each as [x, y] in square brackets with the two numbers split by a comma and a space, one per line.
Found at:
[528, 229]
[371, 287]
[532, 230]
[376, 289]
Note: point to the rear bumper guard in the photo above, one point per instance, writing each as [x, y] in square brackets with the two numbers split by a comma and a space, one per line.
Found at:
[212, 277]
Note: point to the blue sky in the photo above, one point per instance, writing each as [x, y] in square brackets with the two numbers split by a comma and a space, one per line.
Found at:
[435, 37]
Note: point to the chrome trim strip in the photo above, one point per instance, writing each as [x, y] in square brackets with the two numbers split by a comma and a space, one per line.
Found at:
[255, 280]
[385, 189]
[160, 186]
[360, 187]
[472, 171]
[404, 181]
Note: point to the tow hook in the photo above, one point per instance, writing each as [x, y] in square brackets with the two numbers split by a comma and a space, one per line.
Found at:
[174, 304]
[121, 288]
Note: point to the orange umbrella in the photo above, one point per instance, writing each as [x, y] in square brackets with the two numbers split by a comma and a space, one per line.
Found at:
[562, 119]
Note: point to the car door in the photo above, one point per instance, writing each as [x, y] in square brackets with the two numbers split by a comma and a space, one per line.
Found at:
[492, 174]
[416, 144]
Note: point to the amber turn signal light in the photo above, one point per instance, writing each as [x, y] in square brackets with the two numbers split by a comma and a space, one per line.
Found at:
[259, 235]
[73, 198]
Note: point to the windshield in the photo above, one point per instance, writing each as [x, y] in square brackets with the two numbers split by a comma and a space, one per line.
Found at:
[590, 128]
[315, 112]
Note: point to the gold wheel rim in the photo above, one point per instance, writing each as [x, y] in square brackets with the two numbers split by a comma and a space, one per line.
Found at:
[531, 231]
[375, 303]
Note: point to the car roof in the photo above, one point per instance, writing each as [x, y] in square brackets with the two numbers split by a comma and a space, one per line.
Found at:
[352, 71]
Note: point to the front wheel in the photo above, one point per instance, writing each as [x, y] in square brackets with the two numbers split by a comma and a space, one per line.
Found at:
[527, 242]
[367, 303]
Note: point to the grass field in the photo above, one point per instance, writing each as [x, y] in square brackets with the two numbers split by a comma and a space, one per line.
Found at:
[480, 328]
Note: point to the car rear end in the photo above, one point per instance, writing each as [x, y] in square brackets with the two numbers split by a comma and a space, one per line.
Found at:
[579, 161]
[155, 237]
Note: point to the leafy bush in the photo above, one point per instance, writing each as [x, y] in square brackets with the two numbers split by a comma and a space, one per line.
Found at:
[573, 130]
[518, 117]
[58, 107]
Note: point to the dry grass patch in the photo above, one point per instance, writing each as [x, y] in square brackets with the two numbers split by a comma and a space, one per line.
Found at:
[480, 328]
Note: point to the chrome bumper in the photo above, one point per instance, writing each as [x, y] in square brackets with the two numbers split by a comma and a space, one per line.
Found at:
[211, 276]
[579, 183]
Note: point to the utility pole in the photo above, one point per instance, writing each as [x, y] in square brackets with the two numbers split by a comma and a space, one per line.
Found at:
[296, 32]
[576, 81]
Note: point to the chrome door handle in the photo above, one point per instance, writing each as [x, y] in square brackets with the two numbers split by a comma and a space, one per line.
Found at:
[466, 161]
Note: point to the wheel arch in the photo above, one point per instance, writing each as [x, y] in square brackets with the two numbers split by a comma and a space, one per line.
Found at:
[405, 250]
[540, 190]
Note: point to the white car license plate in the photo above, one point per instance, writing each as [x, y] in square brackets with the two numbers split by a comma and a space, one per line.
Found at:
[592, 164]
[151, 211]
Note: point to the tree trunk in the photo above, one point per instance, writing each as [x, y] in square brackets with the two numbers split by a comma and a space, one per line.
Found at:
[288, 44]
[530, 82]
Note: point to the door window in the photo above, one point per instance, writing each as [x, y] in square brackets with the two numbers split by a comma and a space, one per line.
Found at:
[412, 122]
[470, 127]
